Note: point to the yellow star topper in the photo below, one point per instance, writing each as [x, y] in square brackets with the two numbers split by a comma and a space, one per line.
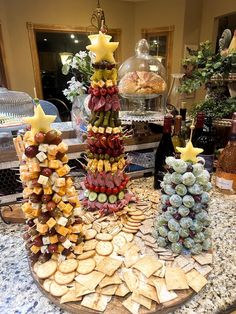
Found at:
[102, 48]
[189, 153]
[40, 122]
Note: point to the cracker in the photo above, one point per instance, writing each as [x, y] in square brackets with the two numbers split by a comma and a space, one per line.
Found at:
[122, 290]
[108, 290]
[58, 290]
[131, 279]
[130, 227]
[47, 269]
[110, 280]
[181, 261]
[128, 236]
[104, 237]
[91, 280]
[47, 284]
[129, 230]
[68, 266]
[98, 258]
[70, 296]
[81, 290]
[162, 293]
[119, 240]
[86, 255]
[97, 226]
[175, 279]
[204, 258]
[131, 257]
[86, 266]
[108, 265]
[138, 298]
[148, 291]
[196, 280]
[63, 279]
[96, 302]
[148, 265]
[90, 234]
[145, 230]
[36, 266]
[131, 305]
[138, 218]
[78, 249]
[90, 245]
[104, 248]
[150, 239]
[204, 270]
[137, 212]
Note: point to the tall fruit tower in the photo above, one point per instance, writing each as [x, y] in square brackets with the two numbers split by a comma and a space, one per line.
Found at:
[106, 180]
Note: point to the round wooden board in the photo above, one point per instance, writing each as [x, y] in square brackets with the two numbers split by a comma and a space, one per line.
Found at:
[115, 305]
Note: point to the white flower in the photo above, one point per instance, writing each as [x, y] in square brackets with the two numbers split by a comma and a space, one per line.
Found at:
[74, 63]
[81, 54]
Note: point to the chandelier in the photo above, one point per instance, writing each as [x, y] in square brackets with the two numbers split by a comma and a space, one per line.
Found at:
[98, 19]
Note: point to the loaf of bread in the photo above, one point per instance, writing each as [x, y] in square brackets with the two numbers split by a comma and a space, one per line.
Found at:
[142, 83]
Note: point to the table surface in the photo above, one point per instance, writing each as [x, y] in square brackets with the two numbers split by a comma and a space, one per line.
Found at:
[19, 294]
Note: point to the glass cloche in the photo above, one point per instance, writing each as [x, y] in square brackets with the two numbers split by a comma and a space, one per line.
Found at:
[142, 75]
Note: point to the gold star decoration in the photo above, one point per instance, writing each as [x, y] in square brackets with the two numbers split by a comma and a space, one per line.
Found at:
[189, 153]
[40, 122]
[103, 49]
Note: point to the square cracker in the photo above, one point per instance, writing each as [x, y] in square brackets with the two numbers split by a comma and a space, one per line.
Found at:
[162, 293]
[131, 257]
[91, 280]
[148, 291]
[96, 302]
[204, 270]
[70, 296]
[108, 290]
[108, 265]
[122, 290]
[131, 279]
[81, 290]
[204, 258]
[196, 280]
[148, 265]
[146, 302]
[110, 280]
[175, 279]
[131, 305]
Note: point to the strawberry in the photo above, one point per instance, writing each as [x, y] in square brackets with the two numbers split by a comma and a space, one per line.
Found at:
[110, 90]
[103, 91]
[102, 189]
[115, 191]
[108, 191]
[97, 189]
[96, 91]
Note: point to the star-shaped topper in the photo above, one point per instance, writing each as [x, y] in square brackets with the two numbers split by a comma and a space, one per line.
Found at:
[189, 153]
[40, 122]
[103, 49]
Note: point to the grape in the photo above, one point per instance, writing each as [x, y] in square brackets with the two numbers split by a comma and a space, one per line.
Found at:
[203, 178]
[206, 245]
[189, 243]
[155, 234]
[39, 137]
[195, 189]
[188, 178]
[46, 172]
[173, 225]
[176, 177]
[181, 189]
[176, 247]
[161, 242]
[173, 236]
[201, 160]
[164, 199]
[168, 216]
[180, 166]
[197, 169]
[35, 198]
[171, 210]
[206, 222]
[50, 136]
[207, 187]
[46, 198]
[169, 190]
[188, 201]
[207, 233]
[44, 217]
[197, 207]
[170, 161]
[202, 215]
[186, 222]
[52, 248]
[196, 226]
[31, 151]
[38, 241]
[196, 249]
[175, 200]
[163, 231]
[51, 205]
[183, 211]
[162, 220]
[205, 198]
[199, 237]
[167, 178]
[184, 233]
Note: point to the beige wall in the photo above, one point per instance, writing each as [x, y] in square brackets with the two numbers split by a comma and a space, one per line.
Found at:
[14, 14]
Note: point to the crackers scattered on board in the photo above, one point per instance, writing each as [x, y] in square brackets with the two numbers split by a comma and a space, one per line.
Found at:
[119, 257]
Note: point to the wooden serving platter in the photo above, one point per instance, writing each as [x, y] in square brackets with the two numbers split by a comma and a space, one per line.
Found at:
[115, 305]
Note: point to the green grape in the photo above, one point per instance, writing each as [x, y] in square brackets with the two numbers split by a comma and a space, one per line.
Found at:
[195, 189]
[167, 178]
[197, 207]
[188, 201]
[189, 243]
[169, 190]
[161, 242]
[206, 245]
[176, 247]
[164, 198]
[176, 178]
[202, 215]
[203, 178]
[173, 225]
[162, 220]
[196, 249]
[181, 189]
[188, 178]
[201, 160]
[163, 231]
[184, 233]
[197, 169]
[199, 237]
[173, 236]
[180, 166]
[171, 210]
[186, 222]
[183, 211]
[196, 226]
[175, 200]
[207, 233]
[205, 197]
[170, 161]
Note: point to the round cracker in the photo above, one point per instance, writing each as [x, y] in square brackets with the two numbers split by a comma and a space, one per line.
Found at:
[137, 212]
[58, 290]
[86, 255]
[133, 224]
[129, 231]
[128, 236]
[86, 266]
[47, 269]
[36, 266]
[47, 284]
[104, 237]
[104, 248]
[63, 279]
[68, 266]
[138, 218]
[119, 240]
[90, 234]
[130, 227]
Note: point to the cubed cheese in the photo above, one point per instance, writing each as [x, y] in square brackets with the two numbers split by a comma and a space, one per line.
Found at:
[62, 147]
[61, 205]
[36, 205]
[60, 182]
[43, 148]
[116, 130]
[70, 191]
[41, 156]
[44, 163]
[51, 223]
[69, 182]
[53, 239]
[45, 240]
[65, 159]
[35, 212]
[89, 127]
[26, 208]
[68, 208]
[109, 130]
[53, 177]
[67, 244]
[62, 191]
[62, 221]
[42, 180]
[52, 150]
[101, 130]
[47, 190]
[43, 249]
[37, 190]
[54, 164]
[94, 129]
[51, 157]
[64, 198]
[56, 198]
[77, 228]
[55, 188]
[42, 228]
[34, 167]
[62, 230]
[73, 237]
[35, 249]
[63, 170]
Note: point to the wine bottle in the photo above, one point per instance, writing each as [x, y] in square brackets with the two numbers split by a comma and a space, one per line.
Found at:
[226, 167]
[177, 139]
[184, 129]
[197, 132]
[164, 150]
[207, 142]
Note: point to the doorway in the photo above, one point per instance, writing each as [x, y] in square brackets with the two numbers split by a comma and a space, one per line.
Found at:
[4, 82]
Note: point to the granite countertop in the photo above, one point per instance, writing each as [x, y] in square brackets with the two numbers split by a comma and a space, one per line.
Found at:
[20, 295]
